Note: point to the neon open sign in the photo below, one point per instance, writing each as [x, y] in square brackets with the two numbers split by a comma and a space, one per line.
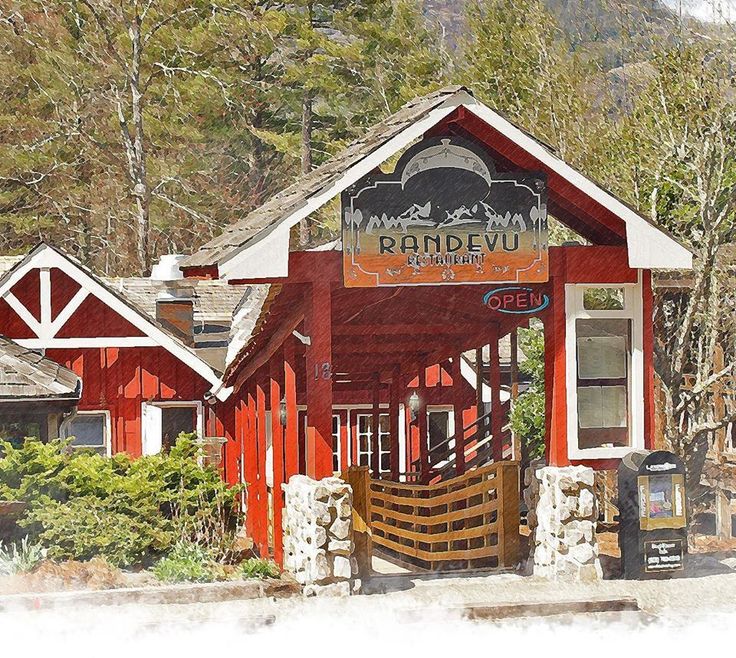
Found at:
[516, 300]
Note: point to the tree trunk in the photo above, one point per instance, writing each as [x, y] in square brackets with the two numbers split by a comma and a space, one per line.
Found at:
[307, 118]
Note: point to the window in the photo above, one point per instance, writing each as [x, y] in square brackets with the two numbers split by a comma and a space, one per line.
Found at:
[364, 424]
[603, 366]
[438, 428]
[163, 422]
[90, 429]
[605, 388]
[14, 428]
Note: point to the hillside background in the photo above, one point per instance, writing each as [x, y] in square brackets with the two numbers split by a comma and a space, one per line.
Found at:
[129, 129]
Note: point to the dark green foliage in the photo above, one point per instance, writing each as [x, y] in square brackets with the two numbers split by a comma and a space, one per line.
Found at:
[129, 511]
[527, 415]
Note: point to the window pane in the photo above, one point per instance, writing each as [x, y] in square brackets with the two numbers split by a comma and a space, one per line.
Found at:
[603, 366]
[602, 348]
[439, 427]
[88, 431]
[603, 299]
[176, 421]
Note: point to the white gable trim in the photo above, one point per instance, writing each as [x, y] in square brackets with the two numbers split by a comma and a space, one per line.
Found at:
[649, 248]
[44, 258]
[267, 256]
[275, 254]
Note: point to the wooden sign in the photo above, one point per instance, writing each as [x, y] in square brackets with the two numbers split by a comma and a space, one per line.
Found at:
[445, 216]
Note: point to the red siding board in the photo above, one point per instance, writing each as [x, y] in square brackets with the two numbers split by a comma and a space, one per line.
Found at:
[11, 324]
[63, 288]
[28, 292]
[93, 318]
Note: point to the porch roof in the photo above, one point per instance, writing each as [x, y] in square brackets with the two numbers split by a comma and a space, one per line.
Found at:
[264, 233]
[25, 374]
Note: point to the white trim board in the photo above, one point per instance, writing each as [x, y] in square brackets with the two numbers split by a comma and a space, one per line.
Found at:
[45, 257]
[633, 310]
[266, 255]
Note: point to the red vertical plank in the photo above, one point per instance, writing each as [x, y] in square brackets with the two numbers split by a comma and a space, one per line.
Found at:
[556, 376]
[424, 464]
[262, 491]
[291, 437]
[277, 440]
[344, 447]
[318, 325]
[250, 457]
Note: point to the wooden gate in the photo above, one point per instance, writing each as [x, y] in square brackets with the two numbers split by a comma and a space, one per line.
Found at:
[470, 521]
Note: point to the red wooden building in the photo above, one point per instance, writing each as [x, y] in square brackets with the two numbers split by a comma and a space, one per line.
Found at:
[370, 331]
[149, 352]
[357, 350]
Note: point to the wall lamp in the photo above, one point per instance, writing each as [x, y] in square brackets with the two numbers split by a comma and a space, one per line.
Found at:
[414, 405]
[282, 412]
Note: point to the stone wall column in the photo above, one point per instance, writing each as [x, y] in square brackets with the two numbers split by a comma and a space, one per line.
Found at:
[562, 517]
[318, 535]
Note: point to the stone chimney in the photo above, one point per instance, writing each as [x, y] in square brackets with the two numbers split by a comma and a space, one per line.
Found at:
[174, 304]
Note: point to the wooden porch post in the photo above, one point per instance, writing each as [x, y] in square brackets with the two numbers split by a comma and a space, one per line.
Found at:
[555, 376]
[393, 410]
[261, 539]
[318, 325]
[457, 407]
[514, 375]
[375, 427]
[495, 380]
[250, 463]
[479, 409]
[422, 424]
[291, 431]
[277, 441]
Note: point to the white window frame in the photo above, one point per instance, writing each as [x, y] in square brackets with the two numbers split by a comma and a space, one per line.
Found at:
[450, 411]
[90, 412]
[633, 310]
[381, 452]
[167, 404]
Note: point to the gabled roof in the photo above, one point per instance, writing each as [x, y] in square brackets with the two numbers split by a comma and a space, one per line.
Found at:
[25, 374]
[45, 256]
[649, 246]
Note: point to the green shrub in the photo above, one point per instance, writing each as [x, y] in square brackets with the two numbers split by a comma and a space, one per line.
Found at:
[189, 563]
[129, 511]
[20, 557]
[258, 568]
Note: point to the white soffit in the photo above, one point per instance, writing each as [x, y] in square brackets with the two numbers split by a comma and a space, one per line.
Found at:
[648, 246]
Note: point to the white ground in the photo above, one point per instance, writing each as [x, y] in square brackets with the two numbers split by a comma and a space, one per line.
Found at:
[418, 618]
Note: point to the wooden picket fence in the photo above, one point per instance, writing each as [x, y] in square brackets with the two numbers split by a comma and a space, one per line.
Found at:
[470, 521]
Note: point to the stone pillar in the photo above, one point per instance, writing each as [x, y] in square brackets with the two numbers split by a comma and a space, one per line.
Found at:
[562, 519]
[318, 543]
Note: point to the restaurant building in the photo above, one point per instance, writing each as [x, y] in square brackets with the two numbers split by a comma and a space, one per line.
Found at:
[345, 348]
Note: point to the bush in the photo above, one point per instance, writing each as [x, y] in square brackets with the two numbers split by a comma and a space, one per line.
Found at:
[129, 511]
[258, 568]
[189, 563]
[20, 557]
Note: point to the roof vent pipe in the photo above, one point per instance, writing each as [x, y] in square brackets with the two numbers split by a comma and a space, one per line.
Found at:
[167, 268]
